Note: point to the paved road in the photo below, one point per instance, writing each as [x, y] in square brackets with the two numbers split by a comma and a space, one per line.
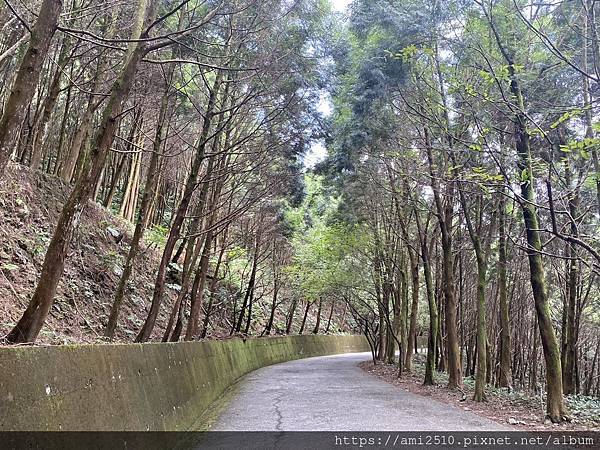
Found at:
[332, 394]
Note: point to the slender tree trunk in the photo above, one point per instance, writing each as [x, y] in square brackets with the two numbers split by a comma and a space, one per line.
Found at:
[78, 145]
[587, 97]
[414, 311]
[290, 316]
[452, 347]
[318, 322]
[67, 169]
[250, 288]
[192, 329]
[330, 317]
[198, 289]
[402, 330]
[197, 296]
[505, 375]
[192, 253]
[176, 226]
[445, 218]
[304, 318]
[590, 379]
[48, 106]
[481, 258]
[481, 375]
[267, 330]
[128, 205]
[115, 181]
[445, 210]
[569, 364]
[26, 80]
[143, 217]
[194, 247]
[380, 295]
[432, 340]
[534, 358]
[555, 406]
[213, 285]
[30, 324]
[62, 133]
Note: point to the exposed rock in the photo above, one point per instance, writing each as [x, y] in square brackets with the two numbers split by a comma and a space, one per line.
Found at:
[116, 234]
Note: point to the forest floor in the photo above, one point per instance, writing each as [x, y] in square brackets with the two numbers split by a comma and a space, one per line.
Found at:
[519, 409]
[30, 204]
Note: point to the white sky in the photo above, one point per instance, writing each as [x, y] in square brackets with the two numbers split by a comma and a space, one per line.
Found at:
[340, 5]
[318, 152]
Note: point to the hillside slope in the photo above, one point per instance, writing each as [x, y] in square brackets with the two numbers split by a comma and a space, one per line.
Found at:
[30, 204]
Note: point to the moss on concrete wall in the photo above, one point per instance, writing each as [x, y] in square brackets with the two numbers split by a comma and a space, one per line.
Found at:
[139, 386]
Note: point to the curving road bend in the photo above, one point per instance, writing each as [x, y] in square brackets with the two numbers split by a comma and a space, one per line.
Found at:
[331, 393]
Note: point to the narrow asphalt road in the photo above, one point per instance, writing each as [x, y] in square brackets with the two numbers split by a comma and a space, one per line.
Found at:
[332, 394]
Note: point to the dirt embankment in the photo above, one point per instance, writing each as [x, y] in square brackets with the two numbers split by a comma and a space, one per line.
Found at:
[30, 204]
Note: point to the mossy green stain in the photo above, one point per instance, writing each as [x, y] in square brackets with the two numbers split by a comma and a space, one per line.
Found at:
[132, 386]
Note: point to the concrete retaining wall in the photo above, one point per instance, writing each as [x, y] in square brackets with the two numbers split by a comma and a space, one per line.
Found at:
[139, 386]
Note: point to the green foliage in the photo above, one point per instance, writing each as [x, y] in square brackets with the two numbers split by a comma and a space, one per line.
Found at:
[482, 174]
[10, 267]
[157, 235]
[582, 146]
[325, 262]
[576, 112]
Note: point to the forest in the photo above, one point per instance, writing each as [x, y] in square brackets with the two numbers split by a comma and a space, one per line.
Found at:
[423, 172]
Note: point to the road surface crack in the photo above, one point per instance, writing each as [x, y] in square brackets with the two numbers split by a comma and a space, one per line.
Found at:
[278, 399]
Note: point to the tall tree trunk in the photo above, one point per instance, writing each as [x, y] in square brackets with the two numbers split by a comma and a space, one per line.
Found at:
[269, 327]
[432, 340]
[81, 138]
[590, 379]
[445, 212]
[48, 106]
[414, 311]
[380, 294]
[587, 96]
[198, 293]
[30, 324]
[330, 317]
[481, 374]
[213, 288]
[505, 375]
[555, 406]
[129, 203]
[62, 133]
[26, 80]
[192, 253]
[180, 213]
[318, 322]
[304, 317]
[114, 182]
[402, 323]
[143, 216]
[197, 296]
[445, 217]
[569, 365]
[250, 288]
[481, 258]
[290, 316]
